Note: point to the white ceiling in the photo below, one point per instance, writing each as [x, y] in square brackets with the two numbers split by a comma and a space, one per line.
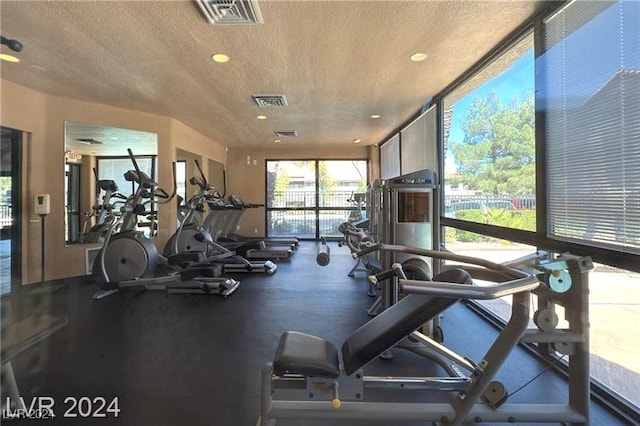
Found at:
[107, 141]
[337, 62]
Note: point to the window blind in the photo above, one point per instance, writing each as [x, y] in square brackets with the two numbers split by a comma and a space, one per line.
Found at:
[591, 94]
[390, 158]
[418, 143]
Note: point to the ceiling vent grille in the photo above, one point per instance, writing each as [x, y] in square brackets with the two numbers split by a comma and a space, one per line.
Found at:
[270, 101]
[230, 12]
[286, 133]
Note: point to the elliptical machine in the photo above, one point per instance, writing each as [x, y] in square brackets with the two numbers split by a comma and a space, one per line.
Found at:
[128, 259]
[191, 237]
[102, 211]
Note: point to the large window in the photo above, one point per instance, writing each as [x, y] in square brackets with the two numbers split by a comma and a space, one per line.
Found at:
[590, 92]
[489, 136]
[311, 198]
[585, 75]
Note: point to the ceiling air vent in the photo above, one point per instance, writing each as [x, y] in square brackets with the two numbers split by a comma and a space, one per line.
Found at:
[286, 133]
[269, 101]
[230, 12]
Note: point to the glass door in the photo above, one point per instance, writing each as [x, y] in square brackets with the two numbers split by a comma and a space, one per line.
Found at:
[72, 199]
[10, 243]
[312, 198]
[291, 199]
[342, 188]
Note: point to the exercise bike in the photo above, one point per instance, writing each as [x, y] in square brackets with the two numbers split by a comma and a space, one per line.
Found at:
[128, 259]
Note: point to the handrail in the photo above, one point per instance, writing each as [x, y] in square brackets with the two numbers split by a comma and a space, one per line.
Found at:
[488, 292]
[510, 272]
[508, 280]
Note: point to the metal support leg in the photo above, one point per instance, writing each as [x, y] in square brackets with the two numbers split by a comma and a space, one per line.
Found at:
[11, 387]
[265, 397]
[579, 366]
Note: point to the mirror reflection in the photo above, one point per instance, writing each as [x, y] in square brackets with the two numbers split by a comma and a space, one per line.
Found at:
[96, 160]
[185, 170]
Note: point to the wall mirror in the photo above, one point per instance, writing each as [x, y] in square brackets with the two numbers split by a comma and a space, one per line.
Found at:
[95, 154]
[216, 175]
[186, 169]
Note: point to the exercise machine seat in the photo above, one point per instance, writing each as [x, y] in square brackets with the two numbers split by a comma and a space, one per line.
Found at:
[301, 353]
[397, 322]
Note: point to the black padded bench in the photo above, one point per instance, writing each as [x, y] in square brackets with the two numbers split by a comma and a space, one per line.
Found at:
[300, 353]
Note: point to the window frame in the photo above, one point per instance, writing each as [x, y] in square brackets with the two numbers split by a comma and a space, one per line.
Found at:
[539, 238]
[317, 209]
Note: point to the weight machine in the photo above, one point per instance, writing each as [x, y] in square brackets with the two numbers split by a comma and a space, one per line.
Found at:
[402, 209]
[310, 379]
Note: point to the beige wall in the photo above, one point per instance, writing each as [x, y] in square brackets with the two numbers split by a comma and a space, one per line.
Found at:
[248, 181]
[43, 116]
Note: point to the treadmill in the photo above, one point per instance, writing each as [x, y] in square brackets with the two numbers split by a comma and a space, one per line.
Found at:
[239, 207]
[224, 216]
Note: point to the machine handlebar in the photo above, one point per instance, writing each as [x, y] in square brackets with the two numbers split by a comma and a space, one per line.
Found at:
[367, 248]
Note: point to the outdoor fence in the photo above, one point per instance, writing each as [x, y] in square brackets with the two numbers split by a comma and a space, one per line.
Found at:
[307, 199]
[5, 215]
[519, 202]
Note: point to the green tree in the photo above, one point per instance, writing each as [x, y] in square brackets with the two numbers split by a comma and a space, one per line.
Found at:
[327, 183]
[497, 155]
[282, 181]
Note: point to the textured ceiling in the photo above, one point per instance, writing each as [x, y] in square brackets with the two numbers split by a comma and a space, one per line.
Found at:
[337, 62]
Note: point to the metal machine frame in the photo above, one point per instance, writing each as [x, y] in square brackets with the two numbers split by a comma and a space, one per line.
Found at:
[402, 220]
[129, 259]
[474, 397]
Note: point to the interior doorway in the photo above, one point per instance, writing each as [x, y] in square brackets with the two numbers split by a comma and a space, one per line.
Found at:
[10, 214]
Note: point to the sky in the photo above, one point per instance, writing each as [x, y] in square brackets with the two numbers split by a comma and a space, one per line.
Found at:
[588, 58]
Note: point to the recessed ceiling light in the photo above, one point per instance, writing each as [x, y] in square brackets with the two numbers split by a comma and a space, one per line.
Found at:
[8, 58]
[261, 117]
[220, 57]
[356, 140]
[277, 141]
[418, 57]
[375, 116]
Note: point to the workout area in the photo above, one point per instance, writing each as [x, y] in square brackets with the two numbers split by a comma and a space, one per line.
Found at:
[251, 212]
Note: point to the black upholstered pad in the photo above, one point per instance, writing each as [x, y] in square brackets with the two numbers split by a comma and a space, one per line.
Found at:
[301, 353]
[396, 323]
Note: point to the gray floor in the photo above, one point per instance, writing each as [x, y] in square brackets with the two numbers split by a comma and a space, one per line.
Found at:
[196, 360]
